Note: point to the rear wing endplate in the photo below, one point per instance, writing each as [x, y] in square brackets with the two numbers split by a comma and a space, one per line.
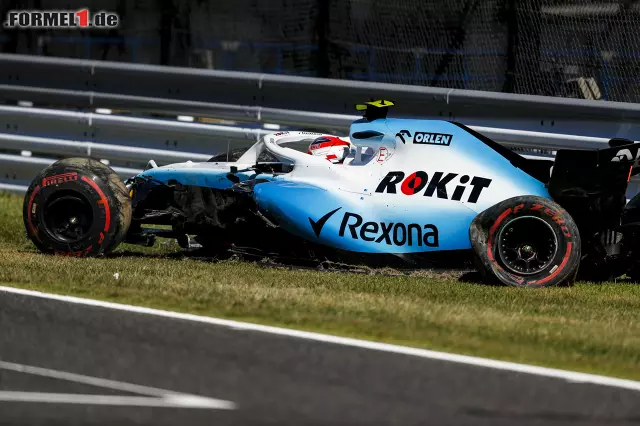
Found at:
[592, 184]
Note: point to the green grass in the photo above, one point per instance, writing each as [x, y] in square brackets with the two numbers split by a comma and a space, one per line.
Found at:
[588, 327]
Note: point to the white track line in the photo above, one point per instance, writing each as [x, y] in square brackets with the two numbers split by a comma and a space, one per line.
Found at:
[155, 397]
[569, 376]
[123, 401]
[85, 380]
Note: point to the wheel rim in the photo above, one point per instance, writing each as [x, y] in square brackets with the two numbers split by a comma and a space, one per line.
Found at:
[527, 245]
[68, 217]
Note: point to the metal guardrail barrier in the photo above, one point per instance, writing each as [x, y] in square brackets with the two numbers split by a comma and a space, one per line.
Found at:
[28, 133]
[240, 95]
[117, 153]
[19, 170]
[122, 138]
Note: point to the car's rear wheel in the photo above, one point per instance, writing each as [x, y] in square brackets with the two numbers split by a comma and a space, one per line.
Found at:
[77, 207]
[526, 242]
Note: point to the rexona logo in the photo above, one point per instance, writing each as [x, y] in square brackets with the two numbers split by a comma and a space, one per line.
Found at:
[317, 225]
[419, 181]
[424, 138]
[391, 233]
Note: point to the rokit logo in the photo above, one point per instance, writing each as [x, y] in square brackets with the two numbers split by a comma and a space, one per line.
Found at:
[425, 138]
[419, 180]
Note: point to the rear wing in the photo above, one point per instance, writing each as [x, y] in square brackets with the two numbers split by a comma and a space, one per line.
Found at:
[592, 184]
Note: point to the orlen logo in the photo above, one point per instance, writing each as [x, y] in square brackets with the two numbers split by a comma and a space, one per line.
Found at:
[424, 138]
[428, 138]
[419, 181]
[391, 233]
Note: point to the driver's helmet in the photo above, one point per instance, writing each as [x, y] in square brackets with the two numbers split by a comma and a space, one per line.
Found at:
[332, 148]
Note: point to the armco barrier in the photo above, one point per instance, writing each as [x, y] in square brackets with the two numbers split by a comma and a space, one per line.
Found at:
[239, 95]
[18, 170]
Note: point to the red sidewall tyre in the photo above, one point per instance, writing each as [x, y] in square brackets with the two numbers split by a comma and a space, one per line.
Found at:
[486, 232]
[85, 190]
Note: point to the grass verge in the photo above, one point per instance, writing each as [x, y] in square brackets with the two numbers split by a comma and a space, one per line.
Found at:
[590, 328]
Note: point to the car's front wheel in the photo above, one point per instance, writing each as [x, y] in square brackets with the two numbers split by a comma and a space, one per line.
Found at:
[526, 241]
[77, 207]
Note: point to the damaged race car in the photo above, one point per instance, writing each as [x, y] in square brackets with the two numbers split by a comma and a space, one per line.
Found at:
[406, 193]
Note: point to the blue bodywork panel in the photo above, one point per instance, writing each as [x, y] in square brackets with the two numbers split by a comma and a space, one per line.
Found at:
[389, 204]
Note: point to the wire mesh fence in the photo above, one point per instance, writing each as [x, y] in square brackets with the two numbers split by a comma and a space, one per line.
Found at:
[578, 48]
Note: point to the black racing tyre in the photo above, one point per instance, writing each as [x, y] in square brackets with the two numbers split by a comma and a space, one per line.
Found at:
[77, 207]
[526, 241]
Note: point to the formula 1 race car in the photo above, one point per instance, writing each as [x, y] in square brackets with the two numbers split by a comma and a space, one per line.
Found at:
[414, 193]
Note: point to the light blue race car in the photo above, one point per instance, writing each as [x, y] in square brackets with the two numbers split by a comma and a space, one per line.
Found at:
[404, 193]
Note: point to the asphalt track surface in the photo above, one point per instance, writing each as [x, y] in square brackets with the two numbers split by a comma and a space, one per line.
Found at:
[267, 379]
